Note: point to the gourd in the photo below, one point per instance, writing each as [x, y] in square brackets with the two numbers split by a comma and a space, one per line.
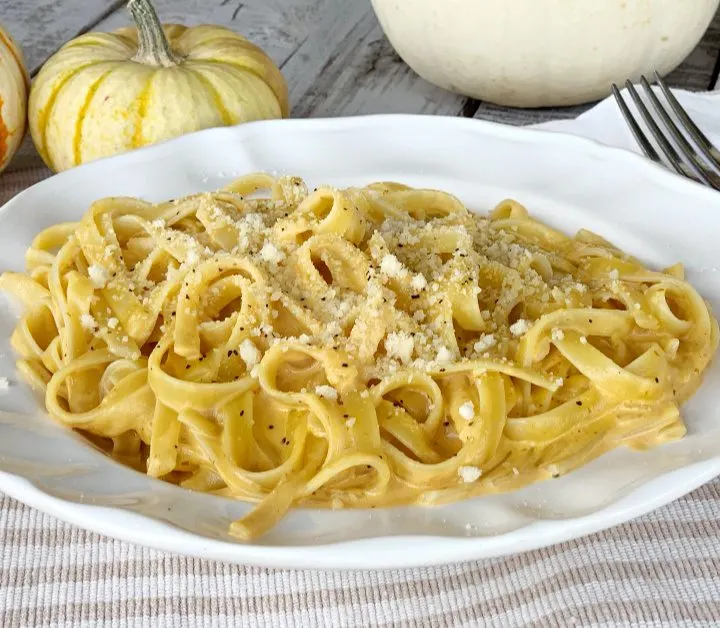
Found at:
[535, 53]
[107, 93]
[14, 86]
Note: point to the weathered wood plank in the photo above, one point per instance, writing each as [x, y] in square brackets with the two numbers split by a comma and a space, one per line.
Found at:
[696, 72]
[334, 55]
[42, 26]
[277, 26]
[358, 72]
[523, 117]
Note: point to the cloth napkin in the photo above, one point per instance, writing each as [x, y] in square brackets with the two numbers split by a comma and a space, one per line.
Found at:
[660, 570]
[603, 123]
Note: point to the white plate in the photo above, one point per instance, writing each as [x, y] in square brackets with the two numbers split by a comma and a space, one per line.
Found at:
[566, 181]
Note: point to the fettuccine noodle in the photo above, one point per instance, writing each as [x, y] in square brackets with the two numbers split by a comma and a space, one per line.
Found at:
[351, 348]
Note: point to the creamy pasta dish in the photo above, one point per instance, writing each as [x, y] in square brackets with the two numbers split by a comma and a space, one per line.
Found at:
[358, 347]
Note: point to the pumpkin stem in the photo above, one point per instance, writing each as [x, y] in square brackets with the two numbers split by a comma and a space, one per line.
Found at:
[153, 45]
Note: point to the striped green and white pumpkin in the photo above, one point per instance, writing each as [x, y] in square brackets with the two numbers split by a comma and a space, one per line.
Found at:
[107, 93]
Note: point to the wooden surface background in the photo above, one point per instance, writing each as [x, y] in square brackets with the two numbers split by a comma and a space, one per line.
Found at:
[332, 52]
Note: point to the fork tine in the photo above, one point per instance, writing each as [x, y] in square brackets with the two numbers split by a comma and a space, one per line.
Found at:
[703, 143]
[640, 136]
[686, 149]
[667, 148]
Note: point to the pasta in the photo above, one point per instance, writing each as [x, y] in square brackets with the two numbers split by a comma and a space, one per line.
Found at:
[357, 347]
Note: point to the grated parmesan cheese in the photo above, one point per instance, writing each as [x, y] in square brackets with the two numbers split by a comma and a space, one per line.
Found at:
[469, 474]
[391, 267]
[400, 346]
[520, 327]
[328, 392]
[192, 258]
[271, 254]
[557, 335]
[418, 282]
[98, 276]
[487, 341]
[113, 322]
[249, 353]
[88, 322]
[467, 410]
[444, 355]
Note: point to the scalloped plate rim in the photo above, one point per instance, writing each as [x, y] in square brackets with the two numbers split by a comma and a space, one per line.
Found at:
[366, 553]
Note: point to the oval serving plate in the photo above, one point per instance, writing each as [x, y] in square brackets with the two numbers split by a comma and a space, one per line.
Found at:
[563, 180]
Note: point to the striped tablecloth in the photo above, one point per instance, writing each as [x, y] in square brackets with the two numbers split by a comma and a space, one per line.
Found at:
[660, 570]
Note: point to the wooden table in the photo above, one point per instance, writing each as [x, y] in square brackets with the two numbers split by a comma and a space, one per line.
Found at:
[333, 53]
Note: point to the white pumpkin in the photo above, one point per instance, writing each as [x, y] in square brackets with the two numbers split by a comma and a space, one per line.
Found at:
[535, 53]
[14, 85]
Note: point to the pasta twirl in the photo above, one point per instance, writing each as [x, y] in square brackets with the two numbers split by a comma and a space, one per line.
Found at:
[351, 348]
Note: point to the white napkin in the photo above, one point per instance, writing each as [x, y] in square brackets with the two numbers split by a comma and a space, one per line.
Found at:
[605, 124]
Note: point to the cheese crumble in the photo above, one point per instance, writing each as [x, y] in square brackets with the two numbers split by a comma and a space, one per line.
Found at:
[487, 341]
[469, 474]
[249, 353]
[398, 301]
[88, 322]
[467, 410]
[98, 276]
[520, 327]
[328, 392]
[400, 346]
[391, 267]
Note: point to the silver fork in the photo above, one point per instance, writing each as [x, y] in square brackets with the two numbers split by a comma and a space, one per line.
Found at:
[699, 160]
